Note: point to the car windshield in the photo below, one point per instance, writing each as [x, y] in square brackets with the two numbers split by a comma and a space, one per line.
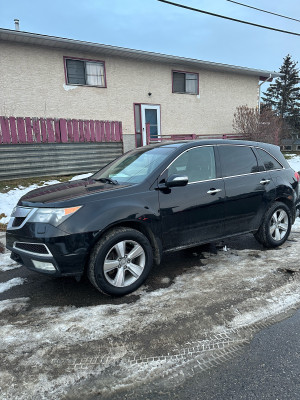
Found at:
[133, 167]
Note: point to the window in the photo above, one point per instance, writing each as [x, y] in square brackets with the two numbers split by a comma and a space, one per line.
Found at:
[185, 82]
[85, 72]
[198, 164]
[135, 167]
[237, 160]
[287, 147]
[268, 161]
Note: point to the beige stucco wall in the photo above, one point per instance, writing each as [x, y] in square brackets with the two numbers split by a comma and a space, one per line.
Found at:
[32, 83]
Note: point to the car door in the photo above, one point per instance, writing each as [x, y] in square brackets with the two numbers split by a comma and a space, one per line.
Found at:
[248, 189]
[193, 213]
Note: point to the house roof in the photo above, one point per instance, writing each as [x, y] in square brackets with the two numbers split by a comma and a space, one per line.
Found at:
[78, 45]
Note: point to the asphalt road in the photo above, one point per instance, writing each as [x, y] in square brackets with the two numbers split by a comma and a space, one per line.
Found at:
[269, 368]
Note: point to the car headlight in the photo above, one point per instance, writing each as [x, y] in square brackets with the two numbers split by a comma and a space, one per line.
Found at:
[53, 216]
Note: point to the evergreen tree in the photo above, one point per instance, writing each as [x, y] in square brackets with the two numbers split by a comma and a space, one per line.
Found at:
[283, 96]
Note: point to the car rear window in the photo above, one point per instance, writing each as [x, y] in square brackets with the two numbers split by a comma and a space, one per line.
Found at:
[268, 161]
[237, 160]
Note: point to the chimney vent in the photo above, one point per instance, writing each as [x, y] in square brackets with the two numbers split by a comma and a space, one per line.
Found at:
[17, 24]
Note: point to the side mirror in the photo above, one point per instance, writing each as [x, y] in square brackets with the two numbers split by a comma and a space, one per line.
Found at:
[176, 180]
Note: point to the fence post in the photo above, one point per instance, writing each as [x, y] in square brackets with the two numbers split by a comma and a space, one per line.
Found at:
[5, 130]
[148, 133]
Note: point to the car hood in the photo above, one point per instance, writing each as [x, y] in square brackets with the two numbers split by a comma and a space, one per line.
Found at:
[66, 191]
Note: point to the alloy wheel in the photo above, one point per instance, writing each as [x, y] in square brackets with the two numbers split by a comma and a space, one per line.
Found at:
[124, 263]
[279, 224]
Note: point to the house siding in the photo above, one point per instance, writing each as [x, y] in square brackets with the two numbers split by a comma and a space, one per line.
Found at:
[32, 82]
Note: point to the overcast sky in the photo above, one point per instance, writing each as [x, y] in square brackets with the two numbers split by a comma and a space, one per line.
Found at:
[154, 26]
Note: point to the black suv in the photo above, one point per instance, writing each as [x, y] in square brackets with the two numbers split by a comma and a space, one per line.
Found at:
[154, 199]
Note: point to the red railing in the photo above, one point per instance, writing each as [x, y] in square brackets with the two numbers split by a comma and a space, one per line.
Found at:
[52, 130]
[187, 137]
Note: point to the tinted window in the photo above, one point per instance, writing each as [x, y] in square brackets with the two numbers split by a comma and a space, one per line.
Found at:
[237, 160]
[269, 162]
[197, 163]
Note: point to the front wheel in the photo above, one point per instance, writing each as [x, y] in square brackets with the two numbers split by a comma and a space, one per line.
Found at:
[120, 262]
[276, 226]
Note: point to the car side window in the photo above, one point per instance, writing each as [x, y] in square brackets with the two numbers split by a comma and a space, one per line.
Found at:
[237, 160]
[198, 164]
[269, 162]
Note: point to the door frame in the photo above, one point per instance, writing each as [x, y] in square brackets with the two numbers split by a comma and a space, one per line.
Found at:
[156, 107]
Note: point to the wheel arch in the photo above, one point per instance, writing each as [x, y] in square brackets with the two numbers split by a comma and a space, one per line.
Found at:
[139, 226]
[288, 202]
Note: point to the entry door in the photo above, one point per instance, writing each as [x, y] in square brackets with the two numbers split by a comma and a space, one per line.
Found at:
[150, 115]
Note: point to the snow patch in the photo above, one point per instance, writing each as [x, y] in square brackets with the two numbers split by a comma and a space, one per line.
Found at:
[280, 300]
[10, 199]
[14, 305]
[6, 263]
[4, 286]
[294, 162]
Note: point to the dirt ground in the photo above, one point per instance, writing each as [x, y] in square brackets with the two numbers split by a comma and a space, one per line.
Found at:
[63, 340]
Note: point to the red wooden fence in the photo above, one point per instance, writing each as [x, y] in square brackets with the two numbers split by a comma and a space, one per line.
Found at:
[51, 130]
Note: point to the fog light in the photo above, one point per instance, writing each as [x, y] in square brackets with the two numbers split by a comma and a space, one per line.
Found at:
[46, 266]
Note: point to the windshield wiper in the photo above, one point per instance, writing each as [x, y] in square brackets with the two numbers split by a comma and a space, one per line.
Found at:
[107, 180]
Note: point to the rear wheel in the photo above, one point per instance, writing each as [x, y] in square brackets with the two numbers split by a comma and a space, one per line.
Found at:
[120, 262]
[276, 226]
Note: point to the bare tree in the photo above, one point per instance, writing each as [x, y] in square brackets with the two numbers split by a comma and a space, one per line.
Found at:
[262, 127]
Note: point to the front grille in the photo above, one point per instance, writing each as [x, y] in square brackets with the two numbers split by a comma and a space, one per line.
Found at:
[32, 247]
[18, 221]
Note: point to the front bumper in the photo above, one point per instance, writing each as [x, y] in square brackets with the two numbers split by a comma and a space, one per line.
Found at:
[49, 250]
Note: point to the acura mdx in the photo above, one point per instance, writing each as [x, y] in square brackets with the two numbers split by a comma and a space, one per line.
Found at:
[155, 199]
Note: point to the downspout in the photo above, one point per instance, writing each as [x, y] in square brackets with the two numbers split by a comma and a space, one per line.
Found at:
[259, 86]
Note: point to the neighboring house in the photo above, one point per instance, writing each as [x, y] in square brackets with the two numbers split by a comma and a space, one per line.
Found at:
[51, 77]
[292, 143]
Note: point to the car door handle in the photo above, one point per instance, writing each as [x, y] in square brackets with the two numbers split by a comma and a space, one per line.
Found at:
[213, 191]
[264, 181]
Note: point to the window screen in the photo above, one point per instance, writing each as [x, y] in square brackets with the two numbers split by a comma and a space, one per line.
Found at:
[269, 162]
[237, 160]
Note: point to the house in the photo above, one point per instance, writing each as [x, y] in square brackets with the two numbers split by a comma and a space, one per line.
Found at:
[52, 77]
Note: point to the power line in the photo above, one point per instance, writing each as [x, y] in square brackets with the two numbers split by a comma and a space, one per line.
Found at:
[229, 18]
[259, 9]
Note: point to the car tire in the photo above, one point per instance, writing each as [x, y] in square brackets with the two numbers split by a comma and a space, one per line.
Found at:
[120, 262]
[276, 226]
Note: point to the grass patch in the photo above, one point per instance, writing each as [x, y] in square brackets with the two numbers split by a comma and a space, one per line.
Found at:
[6, 186]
